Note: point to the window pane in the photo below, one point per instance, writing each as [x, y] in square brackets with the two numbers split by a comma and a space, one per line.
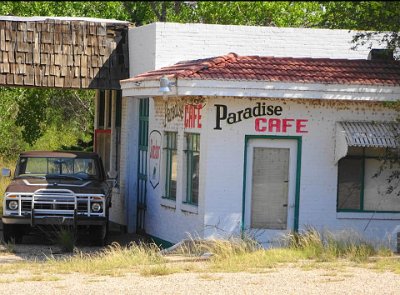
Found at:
[195, 177]
[174, 172]
[376, 187]
[171, 164]
[35, 166]
[192, 167]
[349, 190]
[85, 168]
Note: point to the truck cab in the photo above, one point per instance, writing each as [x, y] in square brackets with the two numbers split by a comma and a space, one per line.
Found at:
[57, 188]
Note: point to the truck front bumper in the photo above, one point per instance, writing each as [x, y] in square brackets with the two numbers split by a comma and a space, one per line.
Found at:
[54, 220]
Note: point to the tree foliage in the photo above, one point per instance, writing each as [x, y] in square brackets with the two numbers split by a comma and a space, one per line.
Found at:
[98, 9]
[381, 18]
[252, 13]
[28, 114]
[37, 117]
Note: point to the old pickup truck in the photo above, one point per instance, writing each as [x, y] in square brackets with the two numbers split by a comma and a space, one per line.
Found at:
[50, 189]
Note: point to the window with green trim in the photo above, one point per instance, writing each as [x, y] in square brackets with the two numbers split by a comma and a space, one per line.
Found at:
[192, 168]
[171, 164]
[366, 180]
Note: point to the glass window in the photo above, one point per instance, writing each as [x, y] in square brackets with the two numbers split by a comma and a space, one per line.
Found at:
[363, 182]
[192, 168]
[349, 190]
[171, 164]
[84, 168]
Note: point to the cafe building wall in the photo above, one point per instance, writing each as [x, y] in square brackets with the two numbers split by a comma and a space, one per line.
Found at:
[306, 130]
[222, 169]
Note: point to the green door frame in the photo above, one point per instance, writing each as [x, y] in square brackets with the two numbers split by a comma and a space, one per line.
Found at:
[142, 164]
[298, 174]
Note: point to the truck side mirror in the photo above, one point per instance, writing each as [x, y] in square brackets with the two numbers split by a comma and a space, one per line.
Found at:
[5, 172]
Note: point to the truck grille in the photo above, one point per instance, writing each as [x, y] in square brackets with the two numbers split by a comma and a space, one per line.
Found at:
[82, 206]
[56, 202]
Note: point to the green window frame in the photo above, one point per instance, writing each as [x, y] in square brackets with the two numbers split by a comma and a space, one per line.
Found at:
[192, 168]
[354, 175]
[171, 165]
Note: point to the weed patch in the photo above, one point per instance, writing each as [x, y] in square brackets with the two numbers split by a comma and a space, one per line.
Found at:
[65, 238]
[387, 264]
[113, 260]
[158, 270]
[328, 247]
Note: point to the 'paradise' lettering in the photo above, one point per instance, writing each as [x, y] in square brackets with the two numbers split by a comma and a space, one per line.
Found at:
[261, 109]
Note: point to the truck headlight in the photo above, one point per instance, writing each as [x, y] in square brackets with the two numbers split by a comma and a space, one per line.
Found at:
[96, 207]
[13, 205]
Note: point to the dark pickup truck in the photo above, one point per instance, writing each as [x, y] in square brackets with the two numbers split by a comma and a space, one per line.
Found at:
[57, 188]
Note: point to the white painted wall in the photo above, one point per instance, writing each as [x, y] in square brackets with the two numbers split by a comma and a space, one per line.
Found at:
[161, 44]
[318, 190]
[166, 219]
[219, 212]
[142, 49]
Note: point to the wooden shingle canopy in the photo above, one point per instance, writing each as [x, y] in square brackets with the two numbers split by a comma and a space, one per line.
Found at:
[63, 52]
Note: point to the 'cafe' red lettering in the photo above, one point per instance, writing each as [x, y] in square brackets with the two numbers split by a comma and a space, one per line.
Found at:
[280, 125]
[193, 115]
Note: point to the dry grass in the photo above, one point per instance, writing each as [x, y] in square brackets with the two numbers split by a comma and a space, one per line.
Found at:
[309, 250]
[329, 247]
[114, 260]
[159, 270]
[387, 264]
[34, 278]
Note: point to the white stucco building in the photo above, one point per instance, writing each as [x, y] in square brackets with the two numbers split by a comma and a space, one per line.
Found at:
[284, 134]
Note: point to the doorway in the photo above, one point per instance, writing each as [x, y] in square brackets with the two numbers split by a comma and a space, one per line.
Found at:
[271, 188]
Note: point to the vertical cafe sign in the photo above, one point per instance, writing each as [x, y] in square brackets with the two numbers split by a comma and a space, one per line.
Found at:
[155, 158]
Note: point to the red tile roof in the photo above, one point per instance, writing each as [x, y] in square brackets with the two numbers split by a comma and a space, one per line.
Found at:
[282, 69]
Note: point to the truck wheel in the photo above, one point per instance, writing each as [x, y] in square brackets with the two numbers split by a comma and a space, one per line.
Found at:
[98, 235]
[12, 233]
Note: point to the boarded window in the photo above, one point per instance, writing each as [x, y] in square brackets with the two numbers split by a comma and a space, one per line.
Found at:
[269, 188]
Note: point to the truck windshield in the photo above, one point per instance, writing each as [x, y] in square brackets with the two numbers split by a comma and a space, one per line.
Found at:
[75, 168]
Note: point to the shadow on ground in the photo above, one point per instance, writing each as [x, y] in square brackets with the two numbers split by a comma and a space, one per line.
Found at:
[39, 245]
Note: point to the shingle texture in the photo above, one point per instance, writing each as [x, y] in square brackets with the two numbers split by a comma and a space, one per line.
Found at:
[282, 69]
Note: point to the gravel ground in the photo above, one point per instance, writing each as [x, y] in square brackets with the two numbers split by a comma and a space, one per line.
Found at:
[283, 280]
[288, 279]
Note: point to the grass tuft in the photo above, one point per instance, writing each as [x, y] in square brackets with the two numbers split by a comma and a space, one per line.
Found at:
[112, 260]
[327, 246]
[65, 238]
[158, 270]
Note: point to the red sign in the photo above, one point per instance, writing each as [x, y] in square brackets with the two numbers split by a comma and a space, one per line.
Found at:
[193, 115]
[155, 158]
[277, 125]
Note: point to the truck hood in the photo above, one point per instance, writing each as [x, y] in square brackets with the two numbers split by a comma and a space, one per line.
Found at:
[30, 185]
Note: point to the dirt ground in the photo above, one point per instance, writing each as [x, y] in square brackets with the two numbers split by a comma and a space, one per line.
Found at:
[285, 279]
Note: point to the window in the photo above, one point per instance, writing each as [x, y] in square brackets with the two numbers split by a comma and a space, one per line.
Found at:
[85, 168]
[363, 181]
[171, 164]
[192, 168]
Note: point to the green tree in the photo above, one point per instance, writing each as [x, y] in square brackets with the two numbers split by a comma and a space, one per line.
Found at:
[381, 18]
[98, 9]
[38, 116]
[255, 13]
[49, 118]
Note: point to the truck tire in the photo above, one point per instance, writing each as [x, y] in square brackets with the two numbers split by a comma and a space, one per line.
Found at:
[12, 233]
